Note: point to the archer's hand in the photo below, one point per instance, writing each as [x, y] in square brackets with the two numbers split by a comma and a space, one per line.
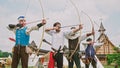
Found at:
[80, 26]
[93, 32]
[44, 21]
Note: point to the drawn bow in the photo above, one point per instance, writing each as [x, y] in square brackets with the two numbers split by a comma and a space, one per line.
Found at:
[77, 11]
[42, 31]
[92, 24]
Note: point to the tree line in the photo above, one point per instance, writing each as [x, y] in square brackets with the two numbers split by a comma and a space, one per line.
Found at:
[4, 54]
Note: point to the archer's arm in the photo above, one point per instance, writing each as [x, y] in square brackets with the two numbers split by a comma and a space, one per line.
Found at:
[12, 27]
[29, 30]
[77, 29]
[83, 37]
[49, 30]
[72, 32]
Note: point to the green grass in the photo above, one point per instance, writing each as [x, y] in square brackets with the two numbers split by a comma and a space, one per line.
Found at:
[110, 66]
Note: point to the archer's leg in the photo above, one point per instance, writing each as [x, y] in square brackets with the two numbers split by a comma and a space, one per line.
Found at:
[15, 58]
[94, 64]
[59, 60]
[77, 60]
[70, 63]
[24, 57]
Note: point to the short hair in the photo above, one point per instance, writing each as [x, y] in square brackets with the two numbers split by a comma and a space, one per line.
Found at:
[56, 24]
[89, 39]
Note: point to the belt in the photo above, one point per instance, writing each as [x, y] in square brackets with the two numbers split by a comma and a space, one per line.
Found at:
[19, 46]
[55, 50]
[73, 51]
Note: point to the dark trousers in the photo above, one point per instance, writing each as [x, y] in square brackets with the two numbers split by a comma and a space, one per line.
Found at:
[76, 59]
[59, 59]
[93, 62]
[19, 53]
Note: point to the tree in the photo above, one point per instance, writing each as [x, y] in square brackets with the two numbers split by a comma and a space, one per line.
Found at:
[4, 54]
[113, 58]
[0, 50]
[117, 49]
[1, 54]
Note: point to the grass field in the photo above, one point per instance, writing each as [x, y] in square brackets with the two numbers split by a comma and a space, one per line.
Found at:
[105, 66]
[110, 66]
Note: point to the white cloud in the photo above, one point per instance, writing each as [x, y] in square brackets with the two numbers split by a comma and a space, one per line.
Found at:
[108, 6]
[56, 10]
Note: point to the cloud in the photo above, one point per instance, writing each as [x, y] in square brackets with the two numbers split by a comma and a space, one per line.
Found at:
[108, 6]
[115, 40]
[56, 10]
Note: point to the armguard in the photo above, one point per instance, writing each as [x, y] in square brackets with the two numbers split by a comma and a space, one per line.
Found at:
[39, 25]
[11, 26]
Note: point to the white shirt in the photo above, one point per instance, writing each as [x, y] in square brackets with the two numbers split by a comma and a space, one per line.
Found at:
[96, 44]
[57, 39]
[69, 35]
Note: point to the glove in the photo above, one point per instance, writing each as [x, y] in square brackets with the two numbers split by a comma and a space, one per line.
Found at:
[19, 25]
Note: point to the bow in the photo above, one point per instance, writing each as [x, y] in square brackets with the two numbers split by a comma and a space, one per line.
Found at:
[91, 24]
[42, 31]
[77, 11]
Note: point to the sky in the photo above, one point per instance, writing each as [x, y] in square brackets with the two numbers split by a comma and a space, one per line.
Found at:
[105, 11]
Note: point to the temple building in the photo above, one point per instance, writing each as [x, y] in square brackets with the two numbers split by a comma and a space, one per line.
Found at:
[107, 48]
